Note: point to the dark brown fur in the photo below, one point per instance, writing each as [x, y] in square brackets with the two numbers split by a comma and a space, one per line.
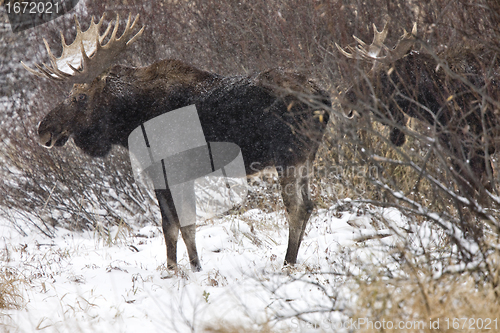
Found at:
[263, 114]
[418, 86]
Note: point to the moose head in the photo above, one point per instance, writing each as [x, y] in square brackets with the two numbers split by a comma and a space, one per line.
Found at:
[85, 63]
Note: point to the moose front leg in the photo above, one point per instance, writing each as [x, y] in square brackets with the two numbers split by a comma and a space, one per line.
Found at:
[171, 226]
[299, 206]
[188, 235]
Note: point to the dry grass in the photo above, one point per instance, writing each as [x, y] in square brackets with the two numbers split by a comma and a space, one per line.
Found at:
[10, 297]
[234, 328]
[460, 302]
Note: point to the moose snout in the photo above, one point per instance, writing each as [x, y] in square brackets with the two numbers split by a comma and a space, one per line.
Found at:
[50, 138]
[45, 140]
[44, 135]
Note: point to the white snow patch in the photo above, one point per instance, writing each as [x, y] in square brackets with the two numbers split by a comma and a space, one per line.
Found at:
[83, 282]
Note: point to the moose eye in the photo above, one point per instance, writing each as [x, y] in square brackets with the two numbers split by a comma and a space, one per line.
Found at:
[82, 97]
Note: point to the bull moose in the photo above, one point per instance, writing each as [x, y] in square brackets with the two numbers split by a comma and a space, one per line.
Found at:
[457, 93]
[277, 118]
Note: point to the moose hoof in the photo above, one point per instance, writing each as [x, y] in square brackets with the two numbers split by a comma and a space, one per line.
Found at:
[289, 263]
[196, 267]
[172, 266]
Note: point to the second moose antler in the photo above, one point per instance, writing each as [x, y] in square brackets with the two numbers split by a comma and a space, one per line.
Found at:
[87, 50]
[371, 53]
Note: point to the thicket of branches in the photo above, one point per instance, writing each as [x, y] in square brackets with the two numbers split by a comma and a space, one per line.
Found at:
[224, 37]
[62, 187]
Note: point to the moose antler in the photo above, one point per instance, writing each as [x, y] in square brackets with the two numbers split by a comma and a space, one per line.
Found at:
[86, 58]
[372, 53]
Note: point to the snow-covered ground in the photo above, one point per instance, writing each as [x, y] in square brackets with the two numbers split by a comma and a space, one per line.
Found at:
[89, 282]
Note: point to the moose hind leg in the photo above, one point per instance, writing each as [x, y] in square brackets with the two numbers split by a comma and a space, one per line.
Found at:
[299, 206]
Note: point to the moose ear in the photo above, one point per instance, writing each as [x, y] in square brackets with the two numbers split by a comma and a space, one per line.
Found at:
[112, 74]
[109, 77]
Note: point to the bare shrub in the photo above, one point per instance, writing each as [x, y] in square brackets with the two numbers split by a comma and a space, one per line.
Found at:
[445, 254]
